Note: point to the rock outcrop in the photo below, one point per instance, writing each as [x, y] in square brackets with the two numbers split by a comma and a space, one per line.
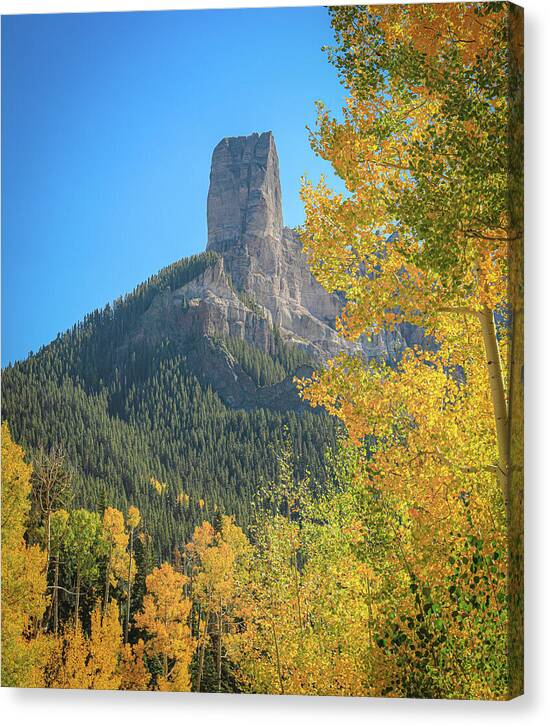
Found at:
[260, 282]
[264, 259]
[244, 198]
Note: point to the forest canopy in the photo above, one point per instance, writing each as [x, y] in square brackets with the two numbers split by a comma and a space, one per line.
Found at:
[373, 544]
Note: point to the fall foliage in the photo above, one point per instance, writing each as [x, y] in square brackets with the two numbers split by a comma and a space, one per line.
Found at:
[164, 618]
[429, 148]
[400, 574]
[24, 594]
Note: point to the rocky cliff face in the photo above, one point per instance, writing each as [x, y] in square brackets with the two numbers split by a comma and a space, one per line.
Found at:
[261, 281]
[244, 199]
[263, 272]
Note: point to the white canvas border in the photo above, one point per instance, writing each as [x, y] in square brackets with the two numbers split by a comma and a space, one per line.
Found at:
[43, 707]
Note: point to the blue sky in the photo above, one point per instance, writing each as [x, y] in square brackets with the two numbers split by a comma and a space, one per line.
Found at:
[109, 122]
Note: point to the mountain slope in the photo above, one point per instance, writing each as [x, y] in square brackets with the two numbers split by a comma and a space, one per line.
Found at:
[188, 380]
[131, 404]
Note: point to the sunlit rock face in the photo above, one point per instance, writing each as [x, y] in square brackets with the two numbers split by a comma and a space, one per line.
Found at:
[264, 259]
[244, 199]
[258, 288]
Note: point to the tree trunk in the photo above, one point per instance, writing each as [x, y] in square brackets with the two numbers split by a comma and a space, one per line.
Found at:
[191, 599]
[199, 622]
[279, 670]
[370, 619]
[77, 604]
[293, 565]
[56, 596]
[219, 637]
[297, 590]
[127, 623]
[202, 653]
[48, 538]
[499, 403]
[107, 584]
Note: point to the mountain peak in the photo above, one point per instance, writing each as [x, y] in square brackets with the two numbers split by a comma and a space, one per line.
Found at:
[244, 199]
[263, 262]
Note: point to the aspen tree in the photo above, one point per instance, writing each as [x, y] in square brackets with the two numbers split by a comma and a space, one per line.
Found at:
[429, 147]
[134, 517]
[164, 617]
[116, 541]
[24, 598]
